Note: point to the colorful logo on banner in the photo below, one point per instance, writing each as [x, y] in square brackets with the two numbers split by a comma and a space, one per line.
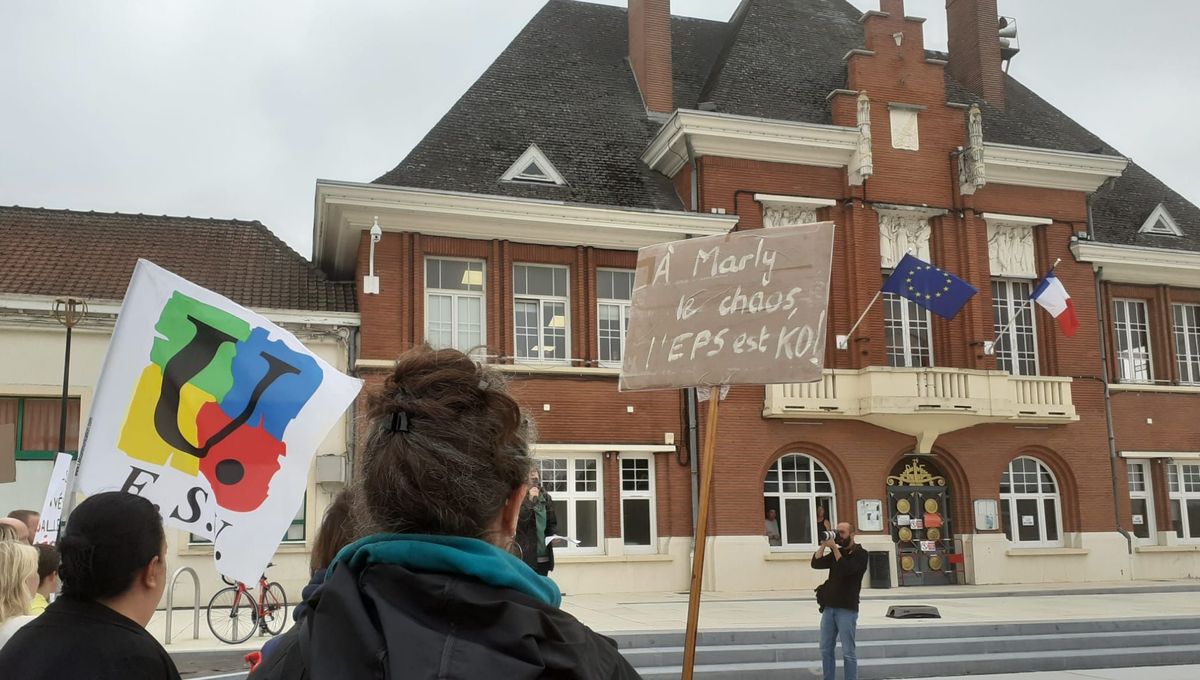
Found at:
[215, 400]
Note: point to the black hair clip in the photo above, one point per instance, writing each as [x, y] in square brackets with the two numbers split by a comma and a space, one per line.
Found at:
[399, 421]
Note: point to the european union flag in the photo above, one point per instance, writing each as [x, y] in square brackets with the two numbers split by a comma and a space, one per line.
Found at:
[941, 293]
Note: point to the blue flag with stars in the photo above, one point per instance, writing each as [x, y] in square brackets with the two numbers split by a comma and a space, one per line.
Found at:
[939, 292]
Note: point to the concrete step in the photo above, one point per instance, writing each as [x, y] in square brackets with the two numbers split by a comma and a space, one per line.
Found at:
[924, 628]
[916, 646]
[948, 665]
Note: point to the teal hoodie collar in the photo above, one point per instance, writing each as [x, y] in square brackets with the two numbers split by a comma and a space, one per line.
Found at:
[453, 555]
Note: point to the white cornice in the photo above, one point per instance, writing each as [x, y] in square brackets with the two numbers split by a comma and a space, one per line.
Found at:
[43, 303]
[345, 209]
[1050, 169]
[750, 138]
[796, 200]
[1135, 264]
[544, 449]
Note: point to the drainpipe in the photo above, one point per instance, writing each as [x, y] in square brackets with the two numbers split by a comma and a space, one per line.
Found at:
[1108, 411]
[689, 394]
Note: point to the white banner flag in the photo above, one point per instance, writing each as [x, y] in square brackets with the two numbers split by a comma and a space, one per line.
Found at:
[211, 412]
[52, 507]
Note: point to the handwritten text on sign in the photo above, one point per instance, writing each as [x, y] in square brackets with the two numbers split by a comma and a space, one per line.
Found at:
[742, 308]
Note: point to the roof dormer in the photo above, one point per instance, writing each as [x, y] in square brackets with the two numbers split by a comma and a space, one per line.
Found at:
[533, 167]
[1160, 223]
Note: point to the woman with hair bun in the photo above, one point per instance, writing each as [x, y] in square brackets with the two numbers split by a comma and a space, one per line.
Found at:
[433, 590]
[113, 573]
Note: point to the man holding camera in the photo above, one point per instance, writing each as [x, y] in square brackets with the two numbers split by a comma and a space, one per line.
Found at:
[837, 597]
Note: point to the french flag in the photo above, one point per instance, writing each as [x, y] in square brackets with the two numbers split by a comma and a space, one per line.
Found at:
[1054, 298]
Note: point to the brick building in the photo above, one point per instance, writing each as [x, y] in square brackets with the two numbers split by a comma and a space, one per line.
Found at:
[514, 225]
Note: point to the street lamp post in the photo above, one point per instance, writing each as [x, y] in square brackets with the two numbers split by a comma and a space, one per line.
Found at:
[69, 312]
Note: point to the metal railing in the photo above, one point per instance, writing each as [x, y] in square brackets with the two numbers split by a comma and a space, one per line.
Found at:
[195, 602]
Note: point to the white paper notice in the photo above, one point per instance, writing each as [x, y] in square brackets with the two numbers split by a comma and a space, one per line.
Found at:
[52, 507]
[551, 539]
[1138, 519]
[1028, 520]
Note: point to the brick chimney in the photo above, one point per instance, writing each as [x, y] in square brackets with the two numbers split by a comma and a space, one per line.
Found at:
[650, 52]
[973, 28]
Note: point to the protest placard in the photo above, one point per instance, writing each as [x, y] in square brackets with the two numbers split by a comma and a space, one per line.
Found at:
[741, 308]
[52, 507]
[213, 413]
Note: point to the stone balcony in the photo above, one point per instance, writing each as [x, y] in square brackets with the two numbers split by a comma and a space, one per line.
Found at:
[925, 402]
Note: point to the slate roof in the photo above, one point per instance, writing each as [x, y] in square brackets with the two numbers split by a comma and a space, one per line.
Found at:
[91, 255]
[564, 84]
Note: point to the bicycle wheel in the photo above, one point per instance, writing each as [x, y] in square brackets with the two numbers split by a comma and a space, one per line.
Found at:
[274, 607]
[231, 615]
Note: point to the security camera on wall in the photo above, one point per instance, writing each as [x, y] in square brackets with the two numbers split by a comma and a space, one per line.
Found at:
[370, 281]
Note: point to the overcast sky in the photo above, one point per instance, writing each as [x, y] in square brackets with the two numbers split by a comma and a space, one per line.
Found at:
[233, 108]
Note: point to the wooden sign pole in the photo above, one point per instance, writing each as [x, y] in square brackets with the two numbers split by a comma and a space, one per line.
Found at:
[707, 457]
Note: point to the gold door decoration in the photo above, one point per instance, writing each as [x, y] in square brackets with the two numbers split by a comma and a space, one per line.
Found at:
[935, 563]
[915, 474]
[931, 505]
[907, 563]
[903, 506]
[905, 534]
[933, 534]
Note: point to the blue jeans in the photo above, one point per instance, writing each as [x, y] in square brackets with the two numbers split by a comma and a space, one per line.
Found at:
[835, 624]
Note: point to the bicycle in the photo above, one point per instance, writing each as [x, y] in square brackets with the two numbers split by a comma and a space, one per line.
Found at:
[234, 615]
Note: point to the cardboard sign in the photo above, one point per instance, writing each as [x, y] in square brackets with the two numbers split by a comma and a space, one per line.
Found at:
[52, 507]
[870, 515]
[211, 412]
[742, 308]
[932, 520]
[8, 453]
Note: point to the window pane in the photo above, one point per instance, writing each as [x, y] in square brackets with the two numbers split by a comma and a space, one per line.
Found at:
[799, 519]
[611, 331]
[623, 286]
[1191, 476]
[636, 514]
[586, 527]
[1193, 517]
[1006, 518]
[561, 513]
[525, 320]
[1028, 525]
[1051, 519]
[433, 273]
[553, 473]
[39, 431]
[635, 474]
[1176, 518]
[585, 474]
[440, 320]
[1173, 477]
[1137, 508]
[470, 322]
[604, 284]
[540, 281]
[520, 279]
[554, 331]
[560, 281]
[1137, 480]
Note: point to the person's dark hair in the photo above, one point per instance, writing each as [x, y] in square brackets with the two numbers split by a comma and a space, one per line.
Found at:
[445, 448]
[48, 561]
[23, 515]
[336, 532]
[109, 538]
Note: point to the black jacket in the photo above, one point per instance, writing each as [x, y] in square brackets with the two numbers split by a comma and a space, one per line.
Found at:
[841, 590]
[389, 622]
[527, 537]
[84, 640]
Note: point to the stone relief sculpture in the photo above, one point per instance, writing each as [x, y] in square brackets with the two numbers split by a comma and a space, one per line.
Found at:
[863, 163]
[1010, 247]
[900, 234]
[781, 215]
[971, 173]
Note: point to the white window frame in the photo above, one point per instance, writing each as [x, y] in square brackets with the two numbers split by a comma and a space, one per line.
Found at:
[650, 495]
[541, 300]
[1010, 500]
[454, 295]
[1177, 492]
[907, 324]
[623, 307]
[812, 495]
[1187, 342]
[1145, 493]
[567, 525]
[1125, 330]
[1020, 308]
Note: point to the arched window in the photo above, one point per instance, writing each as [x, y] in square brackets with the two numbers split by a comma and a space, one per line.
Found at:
[796, 485]
[1030, 509]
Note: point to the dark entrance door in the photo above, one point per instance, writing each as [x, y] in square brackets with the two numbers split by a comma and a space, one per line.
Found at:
[918, 509]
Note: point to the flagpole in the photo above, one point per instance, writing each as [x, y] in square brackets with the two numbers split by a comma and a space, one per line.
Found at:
[990, 348]
[843, 341]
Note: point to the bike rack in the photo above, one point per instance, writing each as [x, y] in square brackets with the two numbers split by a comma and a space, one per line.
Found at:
[195, 602]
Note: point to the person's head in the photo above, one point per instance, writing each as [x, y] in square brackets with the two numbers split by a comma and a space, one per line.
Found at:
[845, 534]
[48, 563]
[771, 514]
[30, 518]
[446, 451]
[336, 532]
[820, 512]
[114, 552]
[18, 578]
[12, 529]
